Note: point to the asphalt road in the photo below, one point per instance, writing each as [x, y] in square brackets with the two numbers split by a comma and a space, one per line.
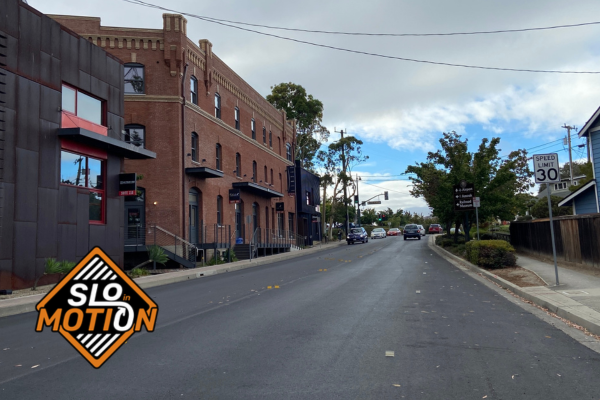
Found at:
[321, 335]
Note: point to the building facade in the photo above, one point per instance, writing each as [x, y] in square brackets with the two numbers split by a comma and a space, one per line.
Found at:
[61, 146]
[211, 131]
[308, 198]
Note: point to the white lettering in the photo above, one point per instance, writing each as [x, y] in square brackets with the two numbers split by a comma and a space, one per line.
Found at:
[82, 297]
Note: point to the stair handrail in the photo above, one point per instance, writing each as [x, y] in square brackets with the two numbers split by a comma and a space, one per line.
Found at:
[182, 243]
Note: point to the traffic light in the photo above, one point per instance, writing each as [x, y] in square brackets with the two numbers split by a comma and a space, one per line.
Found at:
[379, 217]
[385, 194]
[383, 217]
[355, 199]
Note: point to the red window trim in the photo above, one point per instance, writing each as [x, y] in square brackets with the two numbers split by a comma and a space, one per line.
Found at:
[70, 120]
[89, 152]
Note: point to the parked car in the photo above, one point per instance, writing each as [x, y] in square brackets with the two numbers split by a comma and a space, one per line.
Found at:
[393, 232]
[421, 230]
[435, 228]
[357, 235]
[412, 230]
[452, 230]
[378, 233]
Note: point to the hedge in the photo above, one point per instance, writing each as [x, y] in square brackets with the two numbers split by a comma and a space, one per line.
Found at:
[491, 253]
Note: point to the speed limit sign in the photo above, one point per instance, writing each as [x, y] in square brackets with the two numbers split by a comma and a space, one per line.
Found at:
[546, 168]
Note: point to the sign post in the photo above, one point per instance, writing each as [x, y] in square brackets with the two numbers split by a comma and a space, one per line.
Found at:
[477, 204]
[547, 171]
[463, 201]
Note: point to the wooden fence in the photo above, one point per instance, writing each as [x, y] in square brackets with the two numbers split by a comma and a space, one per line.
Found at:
[577, 238]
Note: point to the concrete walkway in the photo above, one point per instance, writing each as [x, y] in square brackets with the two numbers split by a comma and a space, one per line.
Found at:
[580, 286]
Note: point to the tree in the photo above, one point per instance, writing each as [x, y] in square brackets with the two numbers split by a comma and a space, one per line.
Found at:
[496, 180]
[368, 216]
[308, 112]
[337, 162]
[586, 169]
[540, 208]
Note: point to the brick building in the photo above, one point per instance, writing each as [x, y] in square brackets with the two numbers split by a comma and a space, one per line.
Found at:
[61, 148]
[211, 131]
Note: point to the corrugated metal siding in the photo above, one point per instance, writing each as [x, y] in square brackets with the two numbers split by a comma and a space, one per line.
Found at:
[585, 203]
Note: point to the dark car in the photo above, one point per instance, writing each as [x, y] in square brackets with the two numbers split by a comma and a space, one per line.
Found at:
[357, 235]
[412, 230]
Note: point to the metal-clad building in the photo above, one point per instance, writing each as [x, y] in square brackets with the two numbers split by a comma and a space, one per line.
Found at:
[308, 202]
[61, 147]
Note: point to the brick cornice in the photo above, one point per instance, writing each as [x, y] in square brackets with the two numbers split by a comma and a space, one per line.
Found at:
[153, 98]
[239, 134]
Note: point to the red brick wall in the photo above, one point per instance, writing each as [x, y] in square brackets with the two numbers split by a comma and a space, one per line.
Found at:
[159, 110]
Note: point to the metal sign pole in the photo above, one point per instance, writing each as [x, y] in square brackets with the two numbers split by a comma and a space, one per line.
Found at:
[552, 232]
[477, 221]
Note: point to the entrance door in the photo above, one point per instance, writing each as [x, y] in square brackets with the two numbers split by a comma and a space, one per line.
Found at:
[254, 217]
[238, 220]
[135, 224]
[193, 213]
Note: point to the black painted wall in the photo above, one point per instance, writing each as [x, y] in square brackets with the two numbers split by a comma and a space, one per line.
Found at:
[39, 218]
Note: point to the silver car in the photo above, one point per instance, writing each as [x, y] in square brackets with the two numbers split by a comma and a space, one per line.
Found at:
[378, 233]
[421, 230]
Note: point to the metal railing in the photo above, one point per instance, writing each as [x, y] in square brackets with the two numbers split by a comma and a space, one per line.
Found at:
[172, 243]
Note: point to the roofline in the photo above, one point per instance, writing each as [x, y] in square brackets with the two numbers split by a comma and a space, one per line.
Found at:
[590, 121]
[577, 192]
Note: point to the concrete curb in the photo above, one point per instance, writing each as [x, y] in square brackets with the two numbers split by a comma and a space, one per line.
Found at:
[25, 304]
[561, 305]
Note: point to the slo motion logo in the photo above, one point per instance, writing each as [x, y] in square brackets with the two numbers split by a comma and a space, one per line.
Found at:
[96, 307]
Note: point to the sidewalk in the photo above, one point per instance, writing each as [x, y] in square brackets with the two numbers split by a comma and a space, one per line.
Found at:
[576, 299]
[27, 304]
[579, 286]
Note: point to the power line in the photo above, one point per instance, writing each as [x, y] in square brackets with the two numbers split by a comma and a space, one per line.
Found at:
[142, 3]
[388, 34]
[389, 190]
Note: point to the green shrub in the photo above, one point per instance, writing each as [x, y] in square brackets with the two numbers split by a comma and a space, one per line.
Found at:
[491, 253]
[137, 272]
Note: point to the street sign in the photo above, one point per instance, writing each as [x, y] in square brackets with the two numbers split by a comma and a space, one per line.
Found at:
[546, 168]
[234, 196]
[374, 202]
[127, 184]
[476, 202]
[463, 196]
[389, 224]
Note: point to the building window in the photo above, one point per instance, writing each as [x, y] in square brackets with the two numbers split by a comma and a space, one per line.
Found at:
[253, 127]
[574, 183]
[278, 145]
[194, 146]
[218, 157]
[254, 171]
[272, 181]
[238, 165]
[82, 105]
[291, 221]
[264, 135]
[266, 180]
[560, 186]
[270, 139]
[135, 134]
[288, 151]
[217, 106]
[219, 210]
[84, 171]
[134, 78]
[194, 90]
[237, 118]
[280, 184]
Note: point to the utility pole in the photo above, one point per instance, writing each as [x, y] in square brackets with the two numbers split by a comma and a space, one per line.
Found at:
[568, 128]
[345, 183]
[358, 203]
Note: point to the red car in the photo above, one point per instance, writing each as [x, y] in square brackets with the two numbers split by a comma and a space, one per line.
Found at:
[393, 232]
[435, 228]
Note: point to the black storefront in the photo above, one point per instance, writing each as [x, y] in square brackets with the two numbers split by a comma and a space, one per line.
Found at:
[61, 146]
[308, 201]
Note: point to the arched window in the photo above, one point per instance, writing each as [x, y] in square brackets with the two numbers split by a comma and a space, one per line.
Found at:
[237, 118]
[264, 135]
[194, 146]
[217, 106]
[288, 151]
[218, 157]
[135, 134]
[219, 210]
[194, 90]
[270, 139]
[133, 74]
[253, 127]
[238, 165]
[254, 171]
[272, 181]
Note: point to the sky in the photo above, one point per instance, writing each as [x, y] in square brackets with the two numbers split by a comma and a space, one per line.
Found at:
[399, 109]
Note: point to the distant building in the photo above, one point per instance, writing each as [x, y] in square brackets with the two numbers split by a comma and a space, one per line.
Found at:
[308, 203]
[585, 199]
[562, 188]
[61, 146]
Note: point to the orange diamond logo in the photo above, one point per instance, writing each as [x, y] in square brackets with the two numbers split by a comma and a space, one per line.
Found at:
[96, 307]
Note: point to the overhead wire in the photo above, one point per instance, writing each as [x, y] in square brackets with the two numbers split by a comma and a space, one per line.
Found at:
[446, 64]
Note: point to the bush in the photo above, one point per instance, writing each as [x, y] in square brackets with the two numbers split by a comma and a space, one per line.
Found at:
[137, 272]
[491, 253]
